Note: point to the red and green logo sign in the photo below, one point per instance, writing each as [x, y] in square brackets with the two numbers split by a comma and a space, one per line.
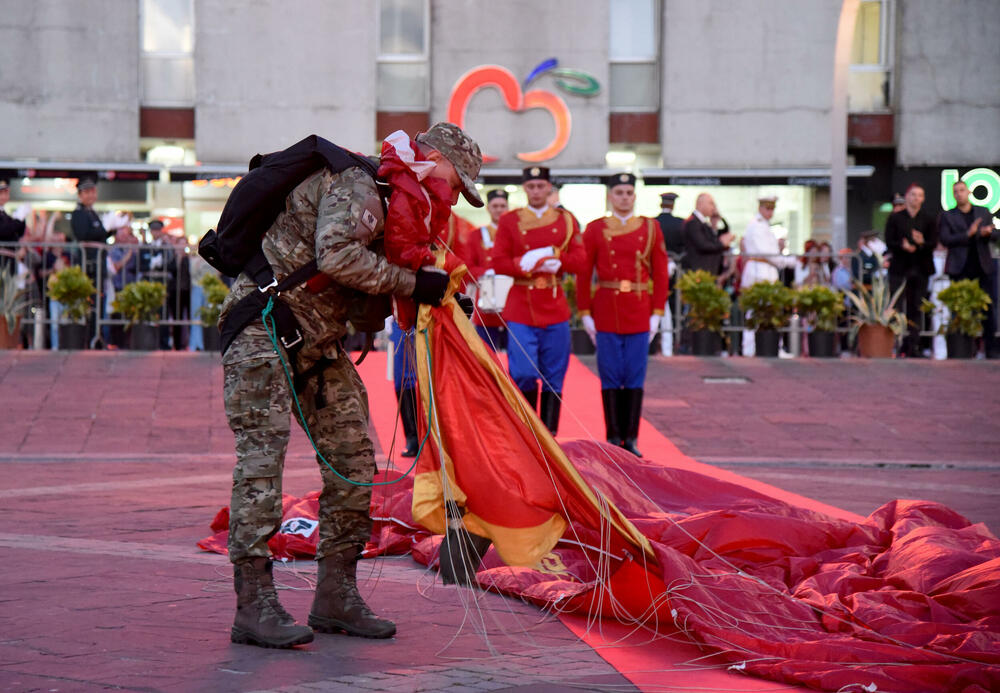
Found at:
[575, 82]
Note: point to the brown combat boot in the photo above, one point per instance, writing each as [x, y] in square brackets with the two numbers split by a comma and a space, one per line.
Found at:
[338, 607]
[260, 619]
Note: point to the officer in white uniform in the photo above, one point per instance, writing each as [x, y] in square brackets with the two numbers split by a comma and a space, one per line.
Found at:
[763, 256]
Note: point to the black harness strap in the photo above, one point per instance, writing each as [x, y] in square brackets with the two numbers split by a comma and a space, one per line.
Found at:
[250, 307]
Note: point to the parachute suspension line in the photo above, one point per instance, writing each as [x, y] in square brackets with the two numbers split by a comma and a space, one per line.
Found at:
[673, 591]
[541, 377]
[473, 613]
[272, 332]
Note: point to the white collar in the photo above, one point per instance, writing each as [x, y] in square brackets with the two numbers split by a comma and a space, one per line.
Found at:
[620, 218]
[701, 217]
[539, 211]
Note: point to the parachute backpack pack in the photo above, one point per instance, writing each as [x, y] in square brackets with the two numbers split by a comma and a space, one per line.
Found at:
[251, 209]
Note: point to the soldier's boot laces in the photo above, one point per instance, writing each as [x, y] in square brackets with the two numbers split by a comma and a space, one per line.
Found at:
[338, 606]
[260, 618]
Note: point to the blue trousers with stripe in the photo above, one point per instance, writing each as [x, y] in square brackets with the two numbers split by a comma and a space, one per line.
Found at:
[538, 352]
[621, 359]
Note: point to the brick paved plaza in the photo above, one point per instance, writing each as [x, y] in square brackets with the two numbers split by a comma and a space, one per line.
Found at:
[116, 463]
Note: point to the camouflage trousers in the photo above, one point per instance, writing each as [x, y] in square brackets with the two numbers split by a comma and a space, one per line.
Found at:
[259, 403]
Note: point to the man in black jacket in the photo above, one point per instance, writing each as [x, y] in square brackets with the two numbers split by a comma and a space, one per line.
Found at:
[704, 246]
[671, 226]
[911, 236]
[966, 231]
[11, 230]
[91, 234]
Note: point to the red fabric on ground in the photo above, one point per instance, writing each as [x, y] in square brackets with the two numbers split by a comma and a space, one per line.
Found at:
[904, 594]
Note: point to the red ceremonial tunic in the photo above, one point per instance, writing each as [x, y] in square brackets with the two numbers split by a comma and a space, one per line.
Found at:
[476, 250]
[537, 298]
[627, 258]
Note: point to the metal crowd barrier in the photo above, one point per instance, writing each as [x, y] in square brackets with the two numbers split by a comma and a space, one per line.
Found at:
[40, 260]
[733, 327]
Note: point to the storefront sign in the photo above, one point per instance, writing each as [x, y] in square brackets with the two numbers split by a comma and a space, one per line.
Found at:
[984, 187]
[64, 189]
[573, 82]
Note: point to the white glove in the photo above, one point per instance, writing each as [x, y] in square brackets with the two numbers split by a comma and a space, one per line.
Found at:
[654, 326]
[21, 213]
[489, 273]
[532, 257]
[550, 266]
[589, 327]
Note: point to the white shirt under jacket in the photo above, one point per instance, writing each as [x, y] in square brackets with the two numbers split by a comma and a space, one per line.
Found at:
[759, 240]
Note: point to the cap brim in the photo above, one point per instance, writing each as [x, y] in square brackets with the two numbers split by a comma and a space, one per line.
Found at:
[471, 193]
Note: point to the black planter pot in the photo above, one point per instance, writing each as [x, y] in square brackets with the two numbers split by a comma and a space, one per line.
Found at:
[144, 337]
[767, 342]
[580, 342]
[210, 336]
[960, 346]
[706, 343]
[72, 336]
[821, 344]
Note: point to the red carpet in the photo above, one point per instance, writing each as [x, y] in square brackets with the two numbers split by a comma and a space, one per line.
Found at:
[649, 665]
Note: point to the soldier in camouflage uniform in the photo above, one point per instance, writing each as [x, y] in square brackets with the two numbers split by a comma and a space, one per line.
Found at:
[332, 218]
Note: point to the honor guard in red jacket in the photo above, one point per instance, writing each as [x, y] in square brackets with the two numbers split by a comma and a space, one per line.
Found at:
[535, 245]
[622, 313]
[477, 252]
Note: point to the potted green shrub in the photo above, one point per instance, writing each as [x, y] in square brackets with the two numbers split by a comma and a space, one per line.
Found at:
[821, 306]
[13, 301]
[215, 293]
[140, 303]
[875, 323]
[72, 288]
[770, 306]
[708, 305]
[967, 304]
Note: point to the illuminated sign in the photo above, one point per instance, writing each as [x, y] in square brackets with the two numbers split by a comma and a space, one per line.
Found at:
[984, 187]
[570, 81]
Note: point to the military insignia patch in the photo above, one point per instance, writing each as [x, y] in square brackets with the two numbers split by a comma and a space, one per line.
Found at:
[369, 220]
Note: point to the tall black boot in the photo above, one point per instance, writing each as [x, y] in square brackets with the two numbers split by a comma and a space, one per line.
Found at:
[632, 401]
[408, 415]
[609, 398]
[549, 410]
[532, 398]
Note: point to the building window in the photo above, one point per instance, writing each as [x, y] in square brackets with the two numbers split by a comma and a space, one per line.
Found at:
[403, 50]
[633, 51]
[869, 86]
[167, 59]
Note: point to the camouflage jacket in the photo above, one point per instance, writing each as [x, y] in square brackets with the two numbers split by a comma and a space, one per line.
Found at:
[332, 217]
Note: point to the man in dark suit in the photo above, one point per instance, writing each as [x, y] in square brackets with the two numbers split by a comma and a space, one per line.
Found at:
[966, 231]
[11, 230]
[911, 236]
[671, 226]
[704, 246]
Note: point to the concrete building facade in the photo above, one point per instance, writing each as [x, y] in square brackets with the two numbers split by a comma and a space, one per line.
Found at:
[730, 96]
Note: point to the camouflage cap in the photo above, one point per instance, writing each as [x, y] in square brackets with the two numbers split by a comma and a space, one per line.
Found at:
[461, 151]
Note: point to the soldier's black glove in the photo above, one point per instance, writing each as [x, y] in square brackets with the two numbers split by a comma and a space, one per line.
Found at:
[466, 304]
[430, 286]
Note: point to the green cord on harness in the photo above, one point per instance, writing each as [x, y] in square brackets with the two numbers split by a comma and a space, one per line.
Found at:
[272, 334]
